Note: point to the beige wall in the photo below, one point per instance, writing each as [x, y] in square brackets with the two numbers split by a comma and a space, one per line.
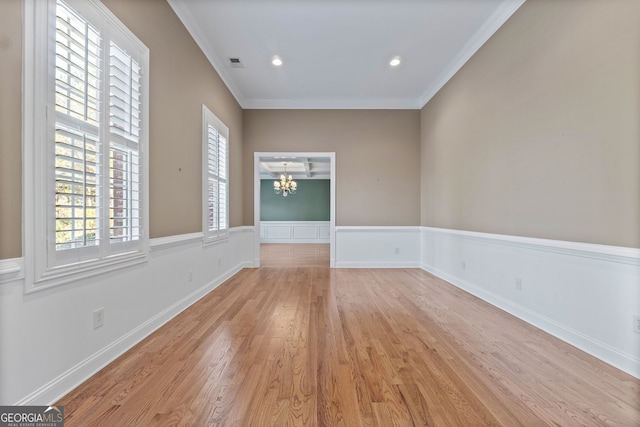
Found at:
[538, 134]
[181, 80]
[10, 129]
[377, 158]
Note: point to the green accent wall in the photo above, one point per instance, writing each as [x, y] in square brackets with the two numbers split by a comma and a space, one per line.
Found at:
[310, 203]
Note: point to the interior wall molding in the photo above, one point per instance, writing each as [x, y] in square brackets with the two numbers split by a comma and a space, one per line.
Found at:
[162, 243]
[11, 269]
[603, 252]
[76, 375]
[484, 33]
[180, 270]
[584, 294]
[377, 247]
[169, 242]
[295, 231]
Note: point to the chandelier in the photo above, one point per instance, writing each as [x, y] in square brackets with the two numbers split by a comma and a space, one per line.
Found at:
[284, 185]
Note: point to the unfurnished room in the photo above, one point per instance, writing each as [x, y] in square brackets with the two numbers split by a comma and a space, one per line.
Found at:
[320, 212]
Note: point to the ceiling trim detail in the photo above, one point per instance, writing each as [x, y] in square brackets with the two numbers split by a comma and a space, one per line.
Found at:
[182, 11]
[490, 26]
[335, 104]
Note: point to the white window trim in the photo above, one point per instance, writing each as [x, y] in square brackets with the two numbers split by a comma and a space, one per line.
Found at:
[36, 149]
[209, 118]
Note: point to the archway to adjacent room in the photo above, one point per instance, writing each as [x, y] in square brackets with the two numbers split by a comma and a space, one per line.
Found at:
[308, 158]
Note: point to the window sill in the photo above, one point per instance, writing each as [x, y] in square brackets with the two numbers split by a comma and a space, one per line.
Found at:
[82, 270]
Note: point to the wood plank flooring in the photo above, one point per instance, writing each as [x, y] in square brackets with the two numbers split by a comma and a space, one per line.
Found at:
[295, 343]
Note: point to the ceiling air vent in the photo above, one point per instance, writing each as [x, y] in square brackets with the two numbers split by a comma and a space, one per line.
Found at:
[235, 63]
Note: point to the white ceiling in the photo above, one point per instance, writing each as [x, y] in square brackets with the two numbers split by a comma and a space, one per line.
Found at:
[336, 53]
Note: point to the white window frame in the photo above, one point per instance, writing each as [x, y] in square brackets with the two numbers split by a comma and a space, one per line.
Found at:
[220, 233]
[45, 267]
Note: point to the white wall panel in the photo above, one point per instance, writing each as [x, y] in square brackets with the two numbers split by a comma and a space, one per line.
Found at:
[323, 232]
[47, 338]
[377, 247]
[294, 231]
[278, 232]
[583, 294]
[305, 232]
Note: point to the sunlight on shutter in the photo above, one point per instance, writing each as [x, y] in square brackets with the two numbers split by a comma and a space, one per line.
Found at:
[76, 189]
[77, 147]
[222, 183]
[213, 171]
[124, 157]
[214, 178]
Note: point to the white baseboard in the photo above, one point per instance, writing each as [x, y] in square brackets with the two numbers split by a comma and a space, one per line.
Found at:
[63, 384]
[377, 264]
[584, 294]
[179, 272]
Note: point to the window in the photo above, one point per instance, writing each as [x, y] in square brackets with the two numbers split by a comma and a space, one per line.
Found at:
[85, 139]
[215, 178]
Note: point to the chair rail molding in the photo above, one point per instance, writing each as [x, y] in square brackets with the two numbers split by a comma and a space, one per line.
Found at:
[11, 269]
[584, 294]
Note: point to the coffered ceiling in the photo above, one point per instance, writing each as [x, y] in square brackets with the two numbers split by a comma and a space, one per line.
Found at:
[297, 167]
[337, 53]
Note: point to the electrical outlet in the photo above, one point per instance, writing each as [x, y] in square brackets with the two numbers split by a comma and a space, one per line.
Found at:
[98, 318]
[219, 262]
[636, 324]
[397, 251]
[190, 275]
[518, 283]
[463, 265]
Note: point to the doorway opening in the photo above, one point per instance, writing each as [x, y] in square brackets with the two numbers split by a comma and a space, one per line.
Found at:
[314, 165]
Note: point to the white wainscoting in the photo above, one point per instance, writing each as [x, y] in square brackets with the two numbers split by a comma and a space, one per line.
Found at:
[11, 269]
[377, 247]
[47, 338]
[583, 294]
[294, 231]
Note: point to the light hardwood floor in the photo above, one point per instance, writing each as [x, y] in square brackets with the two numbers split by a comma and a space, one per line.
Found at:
[296, 343]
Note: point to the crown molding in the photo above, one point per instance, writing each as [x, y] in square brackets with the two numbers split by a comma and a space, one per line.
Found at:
[336, 104]
[491, 25]
[484, 33]
[182, 11]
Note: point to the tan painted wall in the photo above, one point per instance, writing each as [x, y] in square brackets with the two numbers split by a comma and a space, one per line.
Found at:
[10, 129]
[538, 134]
[181, 80]
[377, 158]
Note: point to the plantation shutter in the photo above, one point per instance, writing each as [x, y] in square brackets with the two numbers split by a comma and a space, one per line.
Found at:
[97, 207]
[77, 118]
[85, 138]
[216, 226]
[124, 156]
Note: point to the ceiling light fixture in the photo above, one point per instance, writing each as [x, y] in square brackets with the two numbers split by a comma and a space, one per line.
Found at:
[395, 61]
[285, 186]
[276, 60]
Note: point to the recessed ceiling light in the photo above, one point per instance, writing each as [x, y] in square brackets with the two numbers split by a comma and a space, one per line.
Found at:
[276, 60]
[395, 61]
